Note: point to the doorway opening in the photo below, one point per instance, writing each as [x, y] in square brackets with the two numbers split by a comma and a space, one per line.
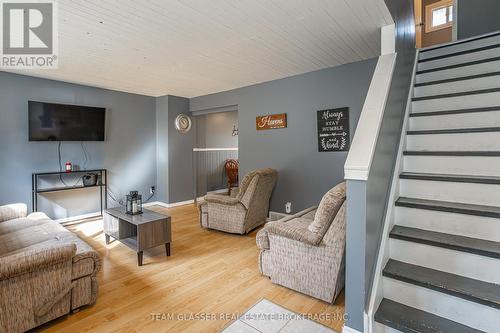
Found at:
[435, 22]
[216, 144]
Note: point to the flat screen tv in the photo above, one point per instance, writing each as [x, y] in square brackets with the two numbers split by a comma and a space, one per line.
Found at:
[62, 122]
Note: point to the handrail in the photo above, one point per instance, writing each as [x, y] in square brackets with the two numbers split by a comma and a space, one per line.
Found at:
[359, 159]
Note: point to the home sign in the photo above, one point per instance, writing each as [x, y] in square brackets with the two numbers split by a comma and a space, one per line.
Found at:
[270, 121]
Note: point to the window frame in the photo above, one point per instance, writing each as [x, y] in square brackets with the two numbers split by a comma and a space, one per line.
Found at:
[429, 9]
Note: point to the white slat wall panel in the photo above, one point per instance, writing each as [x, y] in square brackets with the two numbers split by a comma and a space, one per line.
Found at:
[195, 47]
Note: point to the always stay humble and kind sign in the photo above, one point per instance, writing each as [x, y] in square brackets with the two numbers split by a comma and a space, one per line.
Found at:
[333, 130]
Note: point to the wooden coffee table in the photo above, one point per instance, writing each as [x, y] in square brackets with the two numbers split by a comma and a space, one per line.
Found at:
[139, 232]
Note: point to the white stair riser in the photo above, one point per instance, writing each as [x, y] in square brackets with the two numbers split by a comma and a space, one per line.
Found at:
[456, 262]
[477, 194]
[488, 67]
[459, 59]
[379, 328]
[451, 223]
[453, 308]
[458, 86]
[461, 165]
[454, 121]
[454, 142]
[456, 103]
[473, 44]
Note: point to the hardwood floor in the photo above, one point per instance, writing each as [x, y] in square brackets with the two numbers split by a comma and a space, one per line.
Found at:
[208, 272]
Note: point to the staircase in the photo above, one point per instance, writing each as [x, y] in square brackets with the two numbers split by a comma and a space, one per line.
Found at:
[443, 267]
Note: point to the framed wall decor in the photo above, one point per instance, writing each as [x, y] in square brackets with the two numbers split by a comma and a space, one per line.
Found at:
[333, 130]
[270, 121]
[183, 123]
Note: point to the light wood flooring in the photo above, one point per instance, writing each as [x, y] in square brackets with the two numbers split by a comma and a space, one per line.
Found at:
[209, 272]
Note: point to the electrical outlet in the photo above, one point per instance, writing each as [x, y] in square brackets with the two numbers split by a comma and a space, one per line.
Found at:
[152, 190]
[288, 207]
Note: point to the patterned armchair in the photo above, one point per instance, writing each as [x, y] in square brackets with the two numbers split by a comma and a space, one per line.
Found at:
[306, 251]
[245, 209]
[45, 270]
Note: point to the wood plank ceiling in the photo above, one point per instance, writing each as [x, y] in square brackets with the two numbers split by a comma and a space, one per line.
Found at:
[196, 47]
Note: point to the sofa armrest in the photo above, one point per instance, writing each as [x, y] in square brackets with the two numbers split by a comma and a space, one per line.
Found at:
[91, 254]
[262, 237]
[14, 211]
[221, 199]
[32, 260]
[301, 234]
[288, 230]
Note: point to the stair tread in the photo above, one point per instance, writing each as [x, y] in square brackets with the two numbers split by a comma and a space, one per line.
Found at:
[454, 54]
[451, 207]
[455, 242]
[470, 289]
[464, 64]
[459, 111]
[455, 131]
[450, 178]
[410, 320]
[458, 94]
[482, 153]
[461, 78]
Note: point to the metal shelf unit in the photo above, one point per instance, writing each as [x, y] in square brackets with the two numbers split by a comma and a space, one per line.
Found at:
[102, 184]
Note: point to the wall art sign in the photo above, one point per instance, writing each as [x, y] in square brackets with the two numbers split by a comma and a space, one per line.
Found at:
[270, 121]
[333, 130]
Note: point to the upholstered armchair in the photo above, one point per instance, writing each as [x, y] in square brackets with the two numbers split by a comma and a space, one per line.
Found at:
[306, 251]
[245, 209]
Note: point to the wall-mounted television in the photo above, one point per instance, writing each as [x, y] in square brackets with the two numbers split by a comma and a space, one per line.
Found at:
[62, 122]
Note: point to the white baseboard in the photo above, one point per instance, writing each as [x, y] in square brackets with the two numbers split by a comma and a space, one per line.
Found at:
[70, 219]
[277, 215]
[75, 218]
[168, 205]
[223, 190]
[155, 203]
[180, 203]
[347, 329]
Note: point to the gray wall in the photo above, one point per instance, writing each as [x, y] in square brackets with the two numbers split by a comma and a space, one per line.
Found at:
[214, 130]
[142, 148]
[180, 154]
[355, 254]
[477, 17]
[174, 152]
[128, 152]
[162, 130]
[304, 173]
[367, 201]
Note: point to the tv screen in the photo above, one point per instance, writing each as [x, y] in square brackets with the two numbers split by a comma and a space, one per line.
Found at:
[61, 122]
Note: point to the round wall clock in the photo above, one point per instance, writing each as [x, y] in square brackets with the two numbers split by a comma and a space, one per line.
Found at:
[183, 123]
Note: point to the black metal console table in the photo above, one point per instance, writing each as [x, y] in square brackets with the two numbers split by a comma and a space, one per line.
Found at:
[102, 184]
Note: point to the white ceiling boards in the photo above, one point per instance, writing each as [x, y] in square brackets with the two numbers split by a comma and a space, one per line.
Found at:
[195, 47]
